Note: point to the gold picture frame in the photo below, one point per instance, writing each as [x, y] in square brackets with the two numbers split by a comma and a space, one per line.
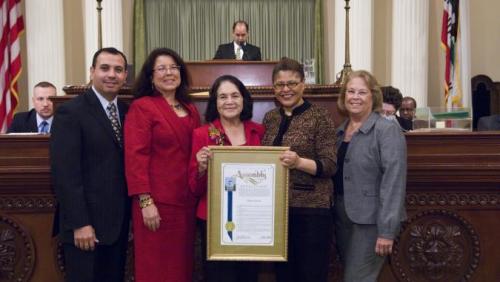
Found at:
[247, 204]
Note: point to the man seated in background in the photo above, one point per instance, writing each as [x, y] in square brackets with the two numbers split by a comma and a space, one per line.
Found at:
[408, 108]
[239, 49]
[38, 119]
[392, 99]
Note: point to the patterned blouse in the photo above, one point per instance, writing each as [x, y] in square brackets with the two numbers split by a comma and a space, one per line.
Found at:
[309, 132]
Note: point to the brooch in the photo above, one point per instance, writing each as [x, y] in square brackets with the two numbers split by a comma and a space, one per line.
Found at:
[215, 135]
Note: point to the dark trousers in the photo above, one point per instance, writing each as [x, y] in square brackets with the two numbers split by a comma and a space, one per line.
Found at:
[356, 245]
[105, 264]
[225, 271]
[309, 240]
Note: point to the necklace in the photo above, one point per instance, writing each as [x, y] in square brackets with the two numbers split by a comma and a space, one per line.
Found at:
[176, 106]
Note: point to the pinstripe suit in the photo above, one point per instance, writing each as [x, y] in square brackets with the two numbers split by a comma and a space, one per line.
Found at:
[87, 165]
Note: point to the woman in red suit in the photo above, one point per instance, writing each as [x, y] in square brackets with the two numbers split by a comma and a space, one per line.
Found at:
[228, 115]
[158, 134]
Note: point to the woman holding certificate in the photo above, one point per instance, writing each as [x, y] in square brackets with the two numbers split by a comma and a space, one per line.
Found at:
[158, 132]
[228, 116]
[309, 132]
[370, 181]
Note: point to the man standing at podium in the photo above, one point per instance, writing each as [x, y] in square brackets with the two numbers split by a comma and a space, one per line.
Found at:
[88, 175]
[38, 119]
[239, 49]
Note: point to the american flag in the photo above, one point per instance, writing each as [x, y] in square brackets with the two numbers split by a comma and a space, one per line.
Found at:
[10, 59]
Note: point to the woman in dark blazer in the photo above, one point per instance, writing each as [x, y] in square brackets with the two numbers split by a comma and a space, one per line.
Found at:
[158, 134]
[370, 181]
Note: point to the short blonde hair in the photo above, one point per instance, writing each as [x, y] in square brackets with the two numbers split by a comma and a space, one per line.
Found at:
[371, 83]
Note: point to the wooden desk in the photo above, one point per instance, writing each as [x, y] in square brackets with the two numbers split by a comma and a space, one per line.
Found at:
[251, 73]
[453, 195]
[263, 96]
[27, 249]
[453, 203]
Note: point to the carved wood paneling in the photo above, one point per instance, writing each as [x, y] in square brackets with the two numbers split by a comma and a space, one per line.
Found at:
[453, 199]
[31, 203]
[17, 251]
[436, 245]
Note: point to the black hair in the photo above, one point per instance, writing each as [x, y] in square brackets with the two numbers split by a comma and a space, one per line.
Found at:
[393, 96]
[287, 64]
[110, 50]
[143, 84]
[212, 114]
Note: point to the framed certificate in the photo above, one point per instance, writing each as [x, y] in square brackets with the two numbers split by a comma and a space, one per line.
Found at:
[247, 204]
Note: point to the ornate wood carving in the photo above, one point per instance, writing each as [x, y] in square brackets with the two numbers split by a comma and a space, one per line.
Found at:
[453, 199]
[59, 257]
[436, 245]
[17, 251]
[27, 202]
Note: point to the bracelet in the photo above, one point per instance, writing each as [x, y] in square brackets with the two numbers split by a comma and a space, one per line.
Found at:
[146, 202]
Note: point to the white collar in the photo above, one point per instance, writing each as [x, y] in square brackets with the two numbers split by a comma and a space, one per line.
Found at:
[104, 101]
[40, 119]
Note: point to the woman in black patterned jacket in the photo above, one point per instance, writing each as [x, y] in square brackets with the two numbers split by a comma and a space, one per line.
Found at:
[309, 132]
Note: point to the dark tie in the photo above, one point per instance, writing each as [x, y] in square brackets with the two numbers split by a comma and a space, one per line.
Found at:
[44, 127]
[113, 117]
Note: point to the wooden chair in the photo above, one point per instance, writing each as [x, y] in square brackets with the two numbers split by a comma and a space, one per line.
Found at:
[485, 97]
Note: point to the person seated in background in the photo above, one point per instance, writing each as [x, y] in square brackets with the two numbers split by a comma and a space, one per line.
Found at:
[239, 49]
[408, 106]
[489, 123]
[38, 119]
[392, 99]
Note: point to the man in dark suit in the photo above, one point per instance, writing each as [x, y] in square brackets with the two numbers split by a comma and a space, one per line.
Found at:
[489, 123]
[87, 161]
[239, 49]
[38, 119]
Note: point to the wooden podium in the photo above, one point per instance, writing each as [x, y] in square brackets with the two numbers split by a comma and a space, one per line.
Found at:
[251, 73]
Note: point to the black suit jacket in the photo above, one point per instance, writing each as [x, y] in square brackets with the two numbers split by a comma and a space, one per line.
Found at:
[24, 122]
[489, 123]
[226, 51]
[88, 170]
[405, 124]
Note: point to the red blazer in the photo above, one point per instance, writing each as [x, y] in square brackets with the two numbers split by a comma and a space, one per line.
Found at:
[198, 185]
[157, 150]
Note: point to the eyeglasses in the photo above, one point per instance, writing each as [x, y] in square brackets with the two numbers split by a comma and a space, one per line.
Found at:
[361, 93]
[282, 85]
[164, 69]
[388, 113]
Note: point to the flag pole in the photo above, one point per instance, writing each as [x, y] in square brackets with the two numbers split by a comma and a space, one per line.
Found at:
[347, 64]
[99, 25]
